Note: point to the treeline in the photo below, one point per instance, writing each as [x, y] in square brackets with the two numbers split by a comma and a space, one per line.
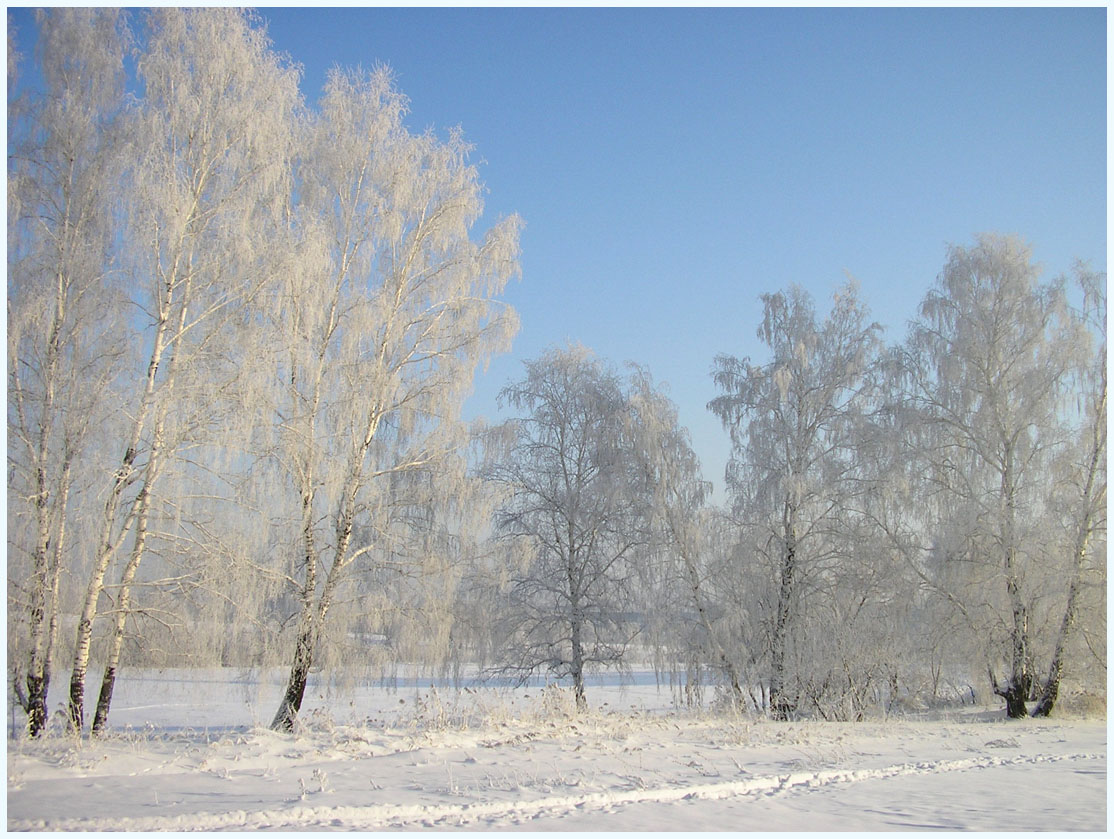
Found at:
[241, 331]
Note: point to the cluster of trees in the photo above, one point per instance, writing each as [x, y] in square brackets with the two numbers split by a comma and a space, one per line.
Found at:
[900, 517]
[241, 331]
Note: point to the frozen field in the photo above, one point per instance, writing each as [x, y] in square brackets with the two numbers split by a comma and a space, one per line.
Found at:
[191, 754]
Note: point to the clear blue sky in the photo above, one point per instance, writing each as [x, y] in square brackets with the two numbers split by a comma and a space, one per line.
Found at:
[672, 165]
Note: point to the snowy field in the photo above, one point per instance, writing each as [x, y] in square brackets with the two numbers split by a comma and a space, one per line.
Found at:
[194, 753]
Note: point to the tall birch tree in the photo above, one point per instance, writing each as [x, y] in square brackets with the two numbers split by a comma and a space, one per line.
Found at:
[381, 323]
[66, 156]
[211, 143]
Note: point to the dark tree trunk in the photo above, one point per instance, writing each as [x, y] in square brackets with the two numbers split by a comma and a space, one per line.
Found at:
[1016, 692]
[578, 691]
[77, 686]
[36, 704]
[1015, 695]
[1020, 683]
[37, 673]
[1049, 696]
[296, 685]
[104, 700]
[1051, 691]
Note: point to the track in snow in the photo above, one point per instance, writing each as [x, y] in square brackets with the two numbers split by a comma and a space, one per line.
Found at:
[381, 816]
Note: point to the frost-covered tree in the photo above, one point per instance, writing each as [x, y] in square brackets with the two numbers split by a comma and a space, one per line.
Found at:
[574, 520]
[792, 423]
[984, 375]
[682, 531]
[66, 155]
[218, 312]
[1082, 474]
[379, 326]
[209, 144]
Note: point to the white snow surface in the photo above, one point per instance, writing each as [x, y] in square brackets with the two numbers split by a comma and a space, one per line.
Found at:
[191, 751]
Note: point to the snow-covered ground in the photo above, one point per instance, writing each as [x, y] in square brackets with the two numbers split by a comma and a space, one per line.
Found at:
[194, 753]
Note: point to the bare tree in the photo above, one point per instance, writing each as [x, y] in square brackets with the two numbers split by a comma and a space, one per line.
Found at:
[575, 518]
[792, 424]
[380, 325]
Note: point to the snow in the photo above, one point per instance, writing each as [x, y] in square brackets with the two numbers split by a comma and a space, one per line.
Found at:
[190, 751]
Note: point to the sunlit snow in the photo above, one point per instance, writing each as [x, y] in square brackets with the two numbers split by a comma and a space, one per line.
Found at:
[190, 753]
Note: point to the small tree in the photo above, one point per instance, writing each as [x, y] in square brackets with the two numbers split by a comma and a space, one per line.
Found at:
[792, 423]
[682, 525]
[576, 516]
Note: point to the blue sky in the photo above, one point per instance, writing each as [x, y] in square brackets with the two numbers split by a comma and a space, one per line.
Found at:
[672, 165]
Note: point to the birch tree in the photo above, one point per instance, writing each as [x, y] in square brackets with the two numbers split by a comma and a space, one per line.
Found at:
[682, 522]
[211, 143]
[381, 323]
[1083, 475]
[575, 519]
[984, 373]
[66, 157]
[792, 424]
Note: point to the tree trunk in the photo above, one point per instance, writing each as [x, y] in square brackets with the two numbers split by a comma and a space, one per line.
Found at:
[124, 473]
[296, 685]
[306, 640]
[142, 505]
[1020, 682]
[123, 605]
[1051, 691]
[576, 624]
[55, 586]
[1021, 679]
[45, 578]
[781, 707]
[578, 685]
[36, 704]
[77, 675]
[315, 609]
[1015, 694]
[577, 665]
[37, 679]
[38, 671]
[106, 549]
